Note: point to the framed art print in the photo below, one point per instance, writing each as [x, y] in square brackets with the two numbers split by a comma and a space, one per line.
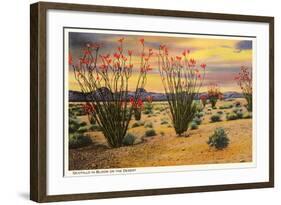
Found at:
[134, 102]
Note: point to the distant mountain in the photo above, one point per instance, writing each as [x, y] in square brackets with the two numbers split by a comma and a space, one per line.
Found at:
[104, 93]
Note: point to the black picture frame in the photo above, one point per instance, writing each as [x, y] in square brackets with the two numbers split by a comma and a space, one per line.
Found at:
[38, 102]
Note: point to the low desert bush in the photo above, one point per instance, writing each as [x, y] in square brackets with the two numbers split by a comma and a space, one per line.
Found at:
[82, 124]
[231, 116]
[148, 125]
[239, 114]
[197, 120]
[164, 122]
[95, 128]
[150, 133]
[225, 106]
[219, 112]
[137, 124]
[148, 108]
[237, 104]
[235, 110]
[193, 125]
[82, 129]
[219, 139]
[129, 139]
[79, 140]
[247, 115]
[215, 118]
[199, 114]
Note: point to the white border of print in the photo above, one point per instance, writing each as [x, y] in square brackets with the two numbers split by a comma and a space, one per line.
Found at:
[57, 183]
[155, 169]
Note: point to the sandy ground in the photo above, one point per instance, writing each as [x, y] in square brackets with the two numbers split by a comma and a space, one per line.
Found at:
[168, 149]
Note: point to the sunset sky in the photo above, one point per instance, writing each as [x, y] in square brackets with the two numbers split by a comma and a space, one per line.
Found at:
[223, 56]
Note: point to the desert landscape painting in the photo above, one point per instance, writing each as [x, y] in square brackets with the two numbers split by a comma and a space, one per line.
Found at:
[147, 100]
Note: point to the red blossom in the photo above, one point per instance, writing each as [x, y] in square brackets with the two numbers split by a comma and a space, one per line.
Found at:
[88, 108]
[178, 58]
[70, 61]
[203, 65]
[150, 52]
[119, 49]
[121, 40]
[149, 99]
[84, 61]
[139, 103]
[192, 61]
[95, 45]
[103, 67]
[148, 68]
[130, 52]
[142, 41]
[166, 51]
[116, 55]
[87, 52]
[124, 58]
[203, 97]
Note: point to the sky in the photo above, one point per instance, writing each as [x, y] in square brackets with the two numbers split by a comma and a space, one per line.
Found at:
[223, 56]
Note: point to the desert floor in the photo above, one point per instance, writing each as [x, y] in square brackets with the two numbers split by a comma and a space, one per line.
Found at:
[166, 149]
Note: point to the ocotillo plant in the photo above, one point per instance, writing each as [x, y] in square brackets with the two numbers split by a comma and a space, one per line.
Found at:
[182, 80]
[105, 79]
[148, 106]
[90, 111]
[244, 80]
[214, 94]
[137, 107]
[203, 98]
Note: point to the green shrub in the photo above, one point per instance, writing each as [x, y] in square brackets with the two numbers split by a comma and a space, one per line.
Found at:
[197, 120]
[147, 112]
[193, 126]
[239, 114]
[137, 124]
[162, 133]
[219, 139]
[235, 110]
[150, 133]
[247, 115]
[148, 108]
[95, 128]
[226, 106]
[215, 118]
[72, 128]
[82, 129]
[237, 104]
[148, 125]
[73, 120]
[129, 139]
[137, 114]
[164, 122]
[219, 112]
[199, 114]
[79, 140]
[82, 124]
[231, 116]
